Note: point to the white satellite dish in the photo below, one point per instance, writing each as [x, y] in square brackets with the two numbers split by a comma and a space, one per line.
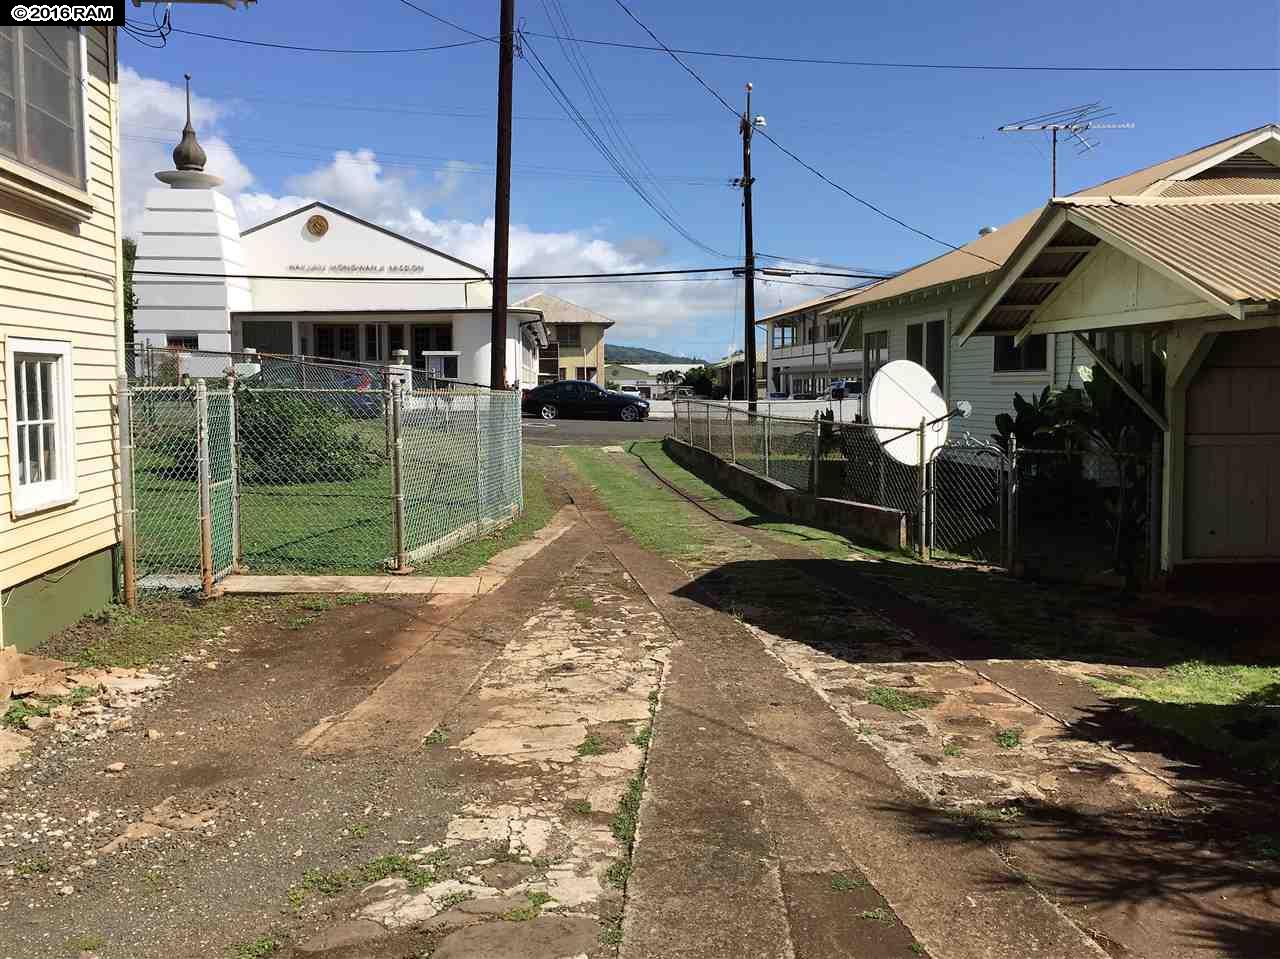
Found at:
[902, 394]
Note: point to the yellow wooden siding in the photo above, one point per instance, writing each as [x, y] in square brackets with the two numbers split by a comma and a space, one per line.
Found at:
[42, 302]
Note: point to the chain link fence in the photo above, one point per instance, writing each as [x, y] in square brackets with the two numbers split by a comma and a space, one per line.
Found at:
[1068, 514]
[230, 474]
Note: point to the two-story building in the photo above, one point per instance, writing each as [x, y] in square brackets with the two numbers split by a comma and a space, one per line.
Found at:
[802, 354]
[575, 339]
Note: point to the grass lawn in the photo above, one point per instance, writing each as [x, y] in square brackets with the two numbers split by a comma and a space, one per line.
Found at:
[540, 505]
[824, 543]
[1227, 708]
[335, 527]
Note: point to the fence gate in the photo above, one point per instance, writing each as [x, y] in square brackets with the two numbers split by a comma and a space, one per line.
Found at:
[968, 503]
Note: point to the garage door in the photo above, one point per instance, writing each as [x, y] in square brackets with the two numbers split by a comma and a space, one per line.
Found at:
[1232, 480]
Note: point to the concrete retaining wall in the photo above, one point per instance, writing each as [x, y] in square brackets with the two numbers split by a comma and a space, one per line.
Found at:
[859, 521]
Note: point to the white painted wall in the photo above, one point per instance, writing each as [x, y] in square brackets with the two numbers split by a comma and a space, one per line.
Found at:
[280, 248]
[189, 232]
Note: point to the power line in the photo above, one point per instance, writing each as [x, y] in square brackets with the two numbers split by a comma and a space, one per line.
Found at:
[535, 277]
[448, 23]
[812, 169]
[342, 50]
[912, 65]
[557, 93]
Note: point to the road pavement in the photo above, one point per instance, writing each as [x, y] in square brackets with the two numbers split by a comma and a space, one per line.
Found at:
[591, 432]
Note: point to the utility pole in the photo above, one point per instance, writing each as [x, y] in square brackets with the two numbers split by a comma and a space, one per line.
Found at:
[502, 199]
[747, 127]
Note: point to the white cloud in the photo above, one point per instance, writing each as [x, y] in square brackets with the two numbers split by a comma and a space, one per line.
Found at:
[152, 114]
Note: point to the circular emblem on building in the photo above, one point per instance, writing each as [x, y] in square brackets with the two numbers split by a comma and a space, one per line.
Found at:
[317, 225]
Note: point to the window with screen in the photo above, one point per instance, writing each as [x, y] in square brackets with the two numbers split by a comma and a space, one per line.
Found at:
[875, 354]
[1032, 356]
[40, 100]
[182, 342]
[926, 345]
[41, 433]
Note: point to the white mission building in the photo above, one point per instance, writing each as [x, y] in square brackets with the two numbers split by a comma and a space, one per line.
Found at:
[314, 282]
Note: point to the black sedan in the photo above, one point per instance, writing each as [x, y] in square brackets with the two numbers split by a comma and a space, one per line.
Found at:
[579, 398]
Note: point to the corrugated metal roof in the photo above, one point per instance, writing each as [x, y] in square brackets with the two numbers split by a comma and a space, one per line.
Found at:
[989, 253]
[1230, 247]
[809, 304]
[1224, 186]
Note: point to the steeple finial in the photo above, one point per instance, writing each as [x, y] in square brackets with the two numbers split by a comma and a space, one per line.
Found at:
[188, 155]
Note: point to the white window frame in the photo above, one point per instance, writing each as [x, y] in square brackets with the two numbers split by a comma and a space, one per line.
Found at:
[31, 498]
[44, 189]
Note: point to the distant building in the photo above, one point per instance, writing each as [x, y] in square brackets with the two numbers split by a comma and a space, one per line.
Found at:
[575, 339]
[643, 377]
[288, 286]
[730, 375]
[802, 350]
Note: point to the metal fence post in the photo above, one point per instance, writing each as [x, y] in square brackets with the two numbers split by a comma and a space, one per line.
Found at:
[815, 454]
[206, 496]
[706, 409]
[479, 479]
[767, 418]
[922, 485]
[233, 443]
[733, 445]
[1012, 538]
[128, 509]
[397, 480]
[513, 411]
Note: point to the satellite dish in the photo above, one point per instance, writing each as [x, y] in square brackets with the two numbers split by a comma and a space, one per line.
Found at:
[902, 394]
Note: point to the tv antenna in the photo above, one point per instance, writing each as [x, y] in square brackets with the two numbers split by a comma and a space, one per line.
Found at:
[1076, 122]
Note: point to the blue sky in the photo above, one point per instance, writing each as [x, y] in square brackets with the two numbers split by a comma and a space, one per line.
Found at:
[408, 139]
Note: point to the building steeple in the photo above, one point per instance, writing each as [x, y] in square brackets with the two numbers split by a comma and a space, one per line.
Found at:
[189, 158]
[189, 155]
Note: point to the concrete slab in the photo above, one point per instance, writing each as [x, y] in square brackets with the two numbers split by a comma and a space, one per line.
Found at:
[374, 585]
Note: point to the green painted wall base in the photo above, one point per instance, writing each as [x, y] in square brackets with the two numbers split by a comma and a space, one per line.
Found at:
[35, 610]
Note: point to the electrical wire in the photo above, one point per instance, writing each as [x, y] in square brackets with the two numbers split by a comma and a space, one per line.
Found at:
[558, 93]
[448, 23]
[913, 65]
[296, 48]
[812, 169]
[539, 277]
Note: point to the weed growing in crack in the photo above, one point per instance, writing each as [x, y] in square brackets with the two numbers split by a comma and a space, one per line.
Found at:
[627, 817]
[641, 738]
[1010, 738]
[384, 867]
[582, 807]
[951, 751]
[359, 830]
[842, 883]
[593, 745]
[16, 715]
[33, 866]
[917, 949]
[879, 914]
[437, 737]
[89, 942]
[455, 899]
[262, 946]
[618, 873]
[537, 899]
[611, 934]
[583, 604]
[897, 700]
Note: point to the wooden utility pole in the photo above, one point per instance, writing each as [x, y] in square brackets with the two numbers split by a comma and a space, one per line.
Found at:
[747, 127]
[502, 199]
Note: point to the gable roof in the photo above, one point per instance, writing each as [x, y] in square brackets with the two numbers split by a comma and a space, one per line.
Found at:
[1226, 250]
[810, 304]
[988, 254]
[555, 310]
[365, 223]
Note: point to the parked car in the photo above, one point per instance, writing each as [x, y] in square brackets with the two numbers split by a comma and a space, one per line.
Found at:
[779, 396]
[579, 398]
[846, 389]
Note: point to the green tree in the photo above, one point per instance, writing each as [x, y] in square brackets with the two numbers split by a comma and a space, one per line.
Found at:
[129, 250]
[700, 381]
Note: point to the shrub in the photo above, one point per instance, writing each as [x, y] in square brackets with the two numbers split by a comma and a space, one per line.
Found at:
[285, 438]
